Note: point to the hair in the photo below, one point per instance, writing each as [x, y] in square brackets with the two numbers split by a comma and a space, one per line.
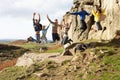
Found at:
[43, 26]
[99, 9]
[82, 8]
[56, 19]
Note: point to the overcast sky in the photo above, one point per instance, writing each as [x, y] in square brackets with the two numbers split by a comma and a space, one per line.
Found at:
[16, 16]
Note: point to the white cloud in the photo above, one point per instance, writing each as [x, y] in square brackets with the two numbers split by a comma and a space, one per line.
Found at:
[16, 15]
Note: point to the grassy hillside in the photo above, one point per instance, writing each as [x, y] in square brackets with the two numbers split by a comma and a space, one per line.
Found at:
[101, 62]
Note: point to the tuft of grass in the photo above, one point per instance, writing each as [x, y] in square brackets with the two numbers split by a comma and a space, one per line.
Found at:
[31, 46]
[16, 73]
[35, 47]
[12, 73]
[58, 50]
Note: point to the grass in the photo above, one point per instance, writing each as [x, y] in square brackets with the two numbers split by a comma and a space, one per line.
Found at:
[35, 47]
[31, 46]
[13, 73]
[106, 67]
[110, 62]
[58, 50]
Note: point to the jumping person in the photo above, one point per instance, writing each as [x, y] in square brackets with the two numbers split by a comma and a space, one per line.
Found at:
[55, 26]
[65, 39]
[98, 14]
[37, 27]
[82, 13]
[44, 32]
[31, 39]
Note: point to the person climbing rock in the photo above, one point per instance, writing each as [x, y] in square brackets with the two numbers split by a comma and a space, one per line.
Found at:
[82, 13]
[99, 15]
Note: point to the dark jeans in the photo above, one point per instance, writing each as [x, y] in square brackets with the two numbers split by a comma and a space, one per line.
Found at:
[99, 27]
[55, 37]
[38, 38]
[65, 40]
[31, 39]
[82, 28]
[83, 25]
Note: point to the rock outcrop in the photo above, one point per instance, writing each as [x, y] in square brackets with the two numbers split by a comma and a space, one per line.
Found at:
[111, 24]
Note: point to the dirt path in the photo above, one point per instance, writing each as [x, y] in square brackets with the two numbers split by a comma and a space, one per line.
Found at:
[30, 58]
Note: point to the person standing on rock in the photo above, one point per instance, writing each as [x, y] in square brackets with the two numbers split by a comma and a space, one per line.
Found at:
[99, 15]
[37, 27]
[55, 25]
[82, 13]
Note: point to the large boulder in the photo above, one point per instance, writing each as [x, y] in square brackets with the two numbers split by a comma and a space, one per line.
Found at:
[111, 22]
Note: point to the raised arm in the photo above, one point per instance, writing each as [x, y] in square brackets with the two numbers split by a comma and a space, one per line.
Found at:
[103, 11]
[39, 17]
[34, 15]
[64, 22]
[48, 27]
[50, 20]
[93, 12]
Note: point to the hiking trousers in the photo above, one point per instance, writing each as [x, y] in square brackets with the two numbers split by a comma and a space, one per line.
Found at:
[99, 27]
[38, 38]
[83, 25]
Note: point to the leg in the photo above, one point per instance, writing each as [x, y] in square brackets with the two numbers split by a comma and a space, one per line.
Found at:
[69, 41]
[32, 39]
[80, 33]
[53, 37]
[38, 38]
[46, 39]
[99, 27]
[57, 37]
[82, 28]
[64, 40]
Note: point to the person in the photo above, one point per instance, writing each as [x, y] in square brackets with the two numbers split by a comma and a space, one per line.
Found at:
[55, 25]
[82, 13]
[66, 40]
[98, 15]
[44, 32]
[31, 39]
[81, 47]
[66, 28]
[37, 27]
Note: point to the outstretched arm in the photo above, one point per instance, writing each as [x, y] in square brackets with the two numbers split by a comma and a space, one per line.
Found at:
[50, 20]
[87, 13]
[75, 13]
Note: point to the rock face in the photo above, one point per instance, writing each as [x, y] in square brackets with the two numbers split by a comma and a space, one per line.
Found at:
[111, 22]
